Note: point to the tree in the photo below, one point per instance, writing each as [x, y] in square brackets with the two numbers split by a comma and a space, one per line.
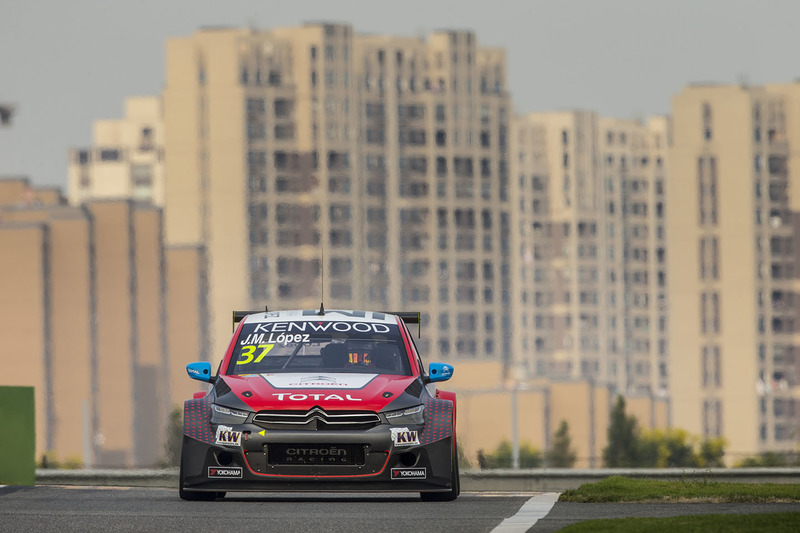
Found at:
[174, 439]
[529, 457]
[463, 460]
[711, 453]
[672, 447]
[623, 438]
[770, 459]
[561, 454]
[669, 448]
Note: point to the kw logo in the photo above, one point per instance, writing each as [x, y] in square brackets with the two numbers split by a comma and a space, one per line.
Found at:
[229, 437]
[407, 437]
[404, 436]
[226, 436]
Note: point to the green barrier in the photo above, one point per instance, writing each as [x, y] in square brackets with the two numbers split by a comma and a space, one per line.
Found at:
[17, 436]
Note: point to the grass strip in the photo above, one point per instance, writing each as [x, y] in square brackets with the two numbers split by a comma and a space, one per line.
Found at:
[710, 523]
[624, 489]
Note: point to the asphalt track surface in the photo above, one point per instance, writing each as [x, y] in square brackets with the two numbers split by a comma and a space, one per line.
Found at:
[110, 509]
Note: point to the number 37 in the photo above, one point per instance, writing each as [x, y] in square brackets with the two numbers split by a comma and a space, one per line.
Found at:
[248, 351]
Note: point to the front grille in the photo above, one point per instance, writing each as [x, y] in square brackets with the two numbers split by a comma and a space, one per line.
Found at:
[315, 454]
[316, 419]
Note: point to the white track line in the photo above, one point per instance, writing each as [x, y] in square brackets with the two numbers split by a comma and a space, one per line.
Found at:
[534, 509]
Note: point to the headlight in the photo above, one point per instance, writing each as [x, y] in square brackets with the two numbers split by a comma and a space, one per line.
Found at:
[412, 415]
[226, 415]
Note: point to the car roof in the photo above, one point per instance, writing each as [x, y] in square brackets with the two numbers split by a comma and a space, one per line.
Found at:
[330, 315]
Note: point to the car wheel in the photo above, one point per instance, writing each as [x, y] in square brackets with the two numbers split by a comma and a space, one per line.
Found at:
[194, 496]
[455, 481]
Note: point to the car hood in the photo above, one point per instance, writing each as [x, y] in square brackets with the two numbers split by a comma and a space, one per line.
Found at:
[330, 391]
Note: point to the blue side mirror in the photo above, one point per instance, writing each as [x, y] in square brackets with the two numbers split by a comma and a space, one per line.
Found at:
[440, 372]
[200, 371]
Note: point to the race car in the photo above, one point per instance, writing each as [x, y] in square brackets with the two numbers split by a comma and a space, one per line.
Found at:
[320, 400]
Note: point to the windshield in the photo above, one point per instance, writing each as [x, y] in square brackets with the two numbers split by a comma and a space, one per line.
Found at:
[298, 346]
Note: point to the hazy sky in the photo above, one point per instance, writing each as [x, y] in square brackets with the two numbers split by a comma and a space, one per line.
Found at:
[68, 63]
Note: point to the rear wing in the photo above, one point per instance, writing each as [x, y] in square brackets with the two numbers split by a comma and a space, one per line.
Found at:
[238, 316]
[409, 317]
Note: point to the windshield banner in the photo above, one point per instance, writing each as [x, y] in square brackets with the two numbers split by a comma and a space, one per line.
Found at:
[318, 381]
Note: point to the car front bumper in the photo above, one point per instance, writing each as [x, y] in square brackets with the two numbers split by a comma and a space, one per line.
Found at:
[383, 467]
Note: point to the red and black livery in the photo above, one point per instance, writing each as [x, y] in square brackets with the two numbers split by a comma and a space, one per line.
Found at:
[321, 401]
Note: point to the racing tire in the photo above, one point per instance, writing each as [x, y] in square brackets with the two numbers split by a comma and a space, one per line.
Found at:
[194, 496]
[455, 481]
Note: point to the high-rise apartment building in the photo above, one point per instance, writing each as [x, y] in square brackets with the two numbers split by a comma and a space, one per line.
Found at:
[125, 159]
[732, 265]
[592, 265]
[83, 316]
[312, 163]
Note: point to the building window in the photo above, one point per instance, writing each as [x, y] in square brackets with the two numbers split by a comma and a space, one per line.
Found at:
[710, 312]
[376, 240]
[339, 184]
[256, 131]
[340, 266]
[284, 131]
[709, 258]
[146, 140]
[462, 167]
[707, 190]
[375, 110]
[444, 346]
[282, 107]
[83, 157]
[110, 154]
[141, 175]
[712, 366]
[341, 291]
[376, 136]
[441, 166]
[707, 134]
[255, 106]
[712, 419]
